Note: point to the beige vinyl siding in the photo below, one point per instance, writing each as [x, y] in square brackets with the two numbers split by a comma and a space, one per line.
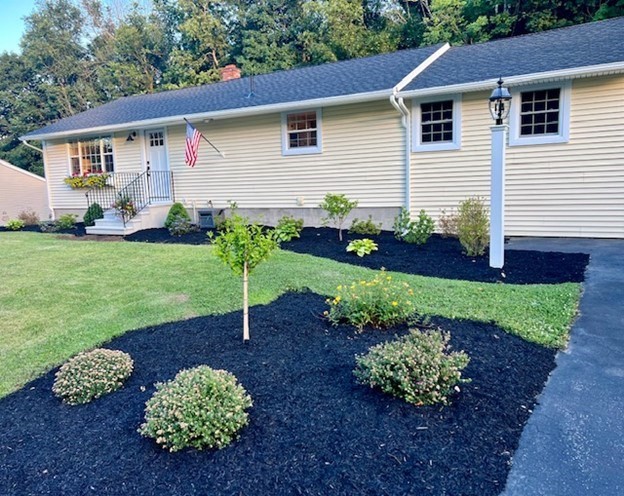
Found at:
[20, 191]
[127, 155]
[571, 189]
[362, 157]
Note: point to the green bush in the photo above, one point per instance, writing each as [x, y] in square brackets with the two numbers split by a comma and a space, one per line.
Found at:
[177, 211]
[366, 227]
[287, 228]
[381, 302]
[473, 226]
[181, 226]
[418, 231]
[66, 221]
[337, 208]
[15, 224]
[418, 368]
[199, 408]
[48, 226]
[93, 213]
[92, 374]
[362, 247]
[447, 222]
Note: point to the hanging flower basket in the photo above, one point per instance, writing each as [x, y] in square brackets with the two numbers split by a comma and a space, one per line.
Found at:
[87, 181]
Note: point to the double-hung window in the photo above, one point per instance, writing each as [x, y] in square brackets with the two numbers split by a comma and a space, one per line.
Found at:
[91, 156]
[540, 114]
[301, 132]
[436, 124]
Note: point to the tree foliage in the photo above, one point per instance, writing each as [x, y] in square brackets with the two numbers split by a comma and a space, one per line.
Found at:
[76, 54]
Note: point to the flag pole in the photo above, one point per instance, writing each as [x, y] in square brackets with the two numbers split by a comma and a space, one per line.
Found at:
[206, 139]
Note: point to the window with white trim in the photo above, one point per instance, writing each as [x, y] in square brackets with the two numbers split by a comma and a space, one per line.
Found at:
[436, 124]
[540, 114]
[301, 132]
[91, 156]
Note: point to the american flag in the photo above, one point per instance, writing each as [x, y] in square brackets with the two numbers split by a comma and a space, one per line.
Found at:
[192, 144]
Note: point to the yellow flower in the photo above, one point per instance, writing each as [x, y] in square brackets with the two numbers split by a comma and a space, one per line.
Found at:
[410, 292]
[395, 303]
[339, 288]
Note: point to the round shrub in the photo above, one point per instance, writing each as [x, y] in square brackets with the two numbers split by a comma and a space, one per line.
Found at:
[177, 211]
[93, 213]
[15, 224]
[92, 374]
[473, 226]
[418, 368]
[199, 408]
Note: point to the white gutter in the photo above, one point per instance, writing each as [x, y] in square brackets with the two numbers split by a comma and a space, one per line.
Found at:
[25, 143]
[536, 77]
[398, 103]
[220, 114]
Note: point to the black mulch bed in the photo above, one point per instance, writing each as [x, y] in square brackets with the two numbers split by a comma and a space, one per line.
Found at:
[439, 257]
[313, 430]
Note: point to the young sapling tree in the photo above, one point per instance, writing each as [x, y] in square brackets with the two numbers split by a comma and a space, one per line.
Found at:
[337, 208]
[242, 246]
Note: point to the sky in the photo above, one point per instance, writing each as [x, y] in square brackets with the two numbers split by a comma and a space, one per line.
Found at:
[12, 13]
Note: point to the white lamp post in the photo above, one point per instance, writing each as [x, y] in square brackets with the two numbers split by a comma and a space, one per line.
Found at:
[499, 108]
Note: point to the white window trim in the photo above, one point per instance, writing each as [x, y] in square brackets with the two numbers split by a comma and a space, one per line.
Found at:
[417, 145]
[80, 156]
[565, 96]
[307, 150]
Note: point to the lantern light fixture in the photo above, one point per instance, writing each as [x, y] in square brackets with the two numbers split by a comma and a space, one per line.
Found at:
[499, 103]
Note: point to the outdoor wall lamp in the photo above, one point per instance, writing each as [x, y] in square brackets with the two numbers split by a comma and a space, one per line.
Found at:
[499, 100]
[131, 136]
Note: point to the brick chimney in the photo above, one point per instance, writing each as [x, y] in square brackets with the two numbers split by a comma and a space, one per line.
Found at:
[230, 72]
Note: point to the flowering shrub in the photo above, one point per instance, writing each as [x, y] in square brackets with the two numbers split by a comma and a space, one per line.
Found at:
[92, 374]
[15, 224]
[417, 231]
[87, 180]
[287, 228]
[362, 247]
[366, 227]
[380, 302]
[47, 226]
[417, 368]
[199, 408]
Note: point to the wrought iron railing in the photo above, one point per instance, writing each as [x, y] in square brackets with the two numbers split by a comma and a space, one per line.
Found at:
[129, 193]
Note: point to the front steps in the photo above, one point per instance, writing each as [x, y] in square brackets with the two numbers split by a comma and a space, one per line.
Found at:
[148, 218]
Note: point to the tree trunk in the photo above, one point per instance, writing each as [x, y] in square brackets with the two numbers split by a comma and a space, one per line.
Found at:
[245, 304]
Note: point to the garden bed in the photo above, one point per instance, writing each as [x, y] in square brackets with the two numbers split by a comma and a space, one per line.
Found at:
[312, 430]
[439, 257]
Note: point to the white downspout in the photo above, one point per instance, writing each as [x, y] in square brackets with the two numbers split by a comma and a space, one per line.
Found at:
[398, 103]
[42, 151]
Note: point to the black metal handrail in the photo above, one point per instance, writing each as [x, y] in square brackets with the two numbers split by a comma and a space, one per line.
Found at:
[129, 193]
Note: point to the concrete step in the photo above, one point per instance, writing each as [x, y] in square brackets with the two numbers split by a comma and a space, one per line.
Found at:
[112, 225]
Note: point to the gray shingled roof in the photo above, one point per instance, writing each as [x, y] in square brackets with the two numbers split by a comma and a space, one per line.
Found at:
[575, 46]
[379, 72]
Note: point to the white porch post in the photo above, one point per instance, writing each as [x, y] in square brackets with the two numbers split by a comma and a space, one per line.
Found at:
[497, 197]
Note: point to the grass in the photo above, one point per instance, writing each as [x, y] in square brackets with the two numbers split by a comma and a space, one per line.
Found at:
[59, 296]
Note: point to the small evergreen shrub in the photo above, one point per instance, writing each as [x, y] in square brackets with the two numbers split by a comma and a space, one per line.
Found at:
[362, 247]
[473, 226]
[177, 211]
[417, 232]
[66, 221]
[199, 408]
[381, 302]
[181, 226]
[15, 224]
[93, 213]
[28, 217]
[419, 368]
[447, 223]
[338, 208]
[365, 227]
[287, 228]
[91, 375]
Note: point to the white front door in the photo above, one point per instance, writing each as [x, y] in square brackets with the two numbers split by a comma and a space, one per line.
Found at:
[159, 177]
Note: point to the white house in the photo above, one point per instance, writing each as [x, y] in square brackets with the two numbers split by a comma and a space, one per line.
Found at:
[409, 128]
[21, 191]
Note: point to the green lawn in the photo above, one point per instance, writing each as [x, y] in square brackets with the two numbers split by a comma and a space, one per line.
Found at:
[59, 296]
